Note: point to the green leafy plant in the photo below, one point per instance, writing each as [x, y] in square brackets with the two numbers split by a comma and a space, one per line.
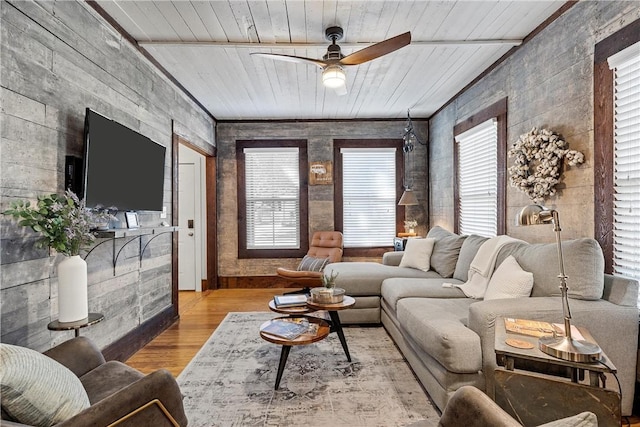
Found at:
[330, 281]
[63, 221]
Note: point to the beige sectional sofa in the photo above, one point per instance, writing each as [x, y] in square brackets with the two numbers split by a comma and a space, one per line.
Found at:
[448, 338]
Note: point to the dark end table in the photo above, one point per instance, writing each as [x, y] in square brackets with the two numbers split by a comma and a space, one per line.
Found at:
[536, 388]
[77, 325]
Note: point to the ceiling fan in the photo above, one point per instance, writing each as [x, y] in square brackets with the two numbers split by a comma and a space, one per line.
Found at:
[333, 62]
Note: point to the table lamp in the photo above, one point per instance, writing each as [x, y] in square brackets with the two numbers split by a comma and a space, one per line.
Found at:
[566, 347]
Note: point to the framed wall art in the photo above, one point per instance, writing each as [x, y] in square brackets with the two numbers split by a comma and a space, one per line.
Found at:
[320, 173]
[132, 219]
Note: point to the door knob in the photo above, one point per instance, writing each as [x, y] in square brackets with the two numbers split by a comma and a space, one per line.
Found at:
[190, 234]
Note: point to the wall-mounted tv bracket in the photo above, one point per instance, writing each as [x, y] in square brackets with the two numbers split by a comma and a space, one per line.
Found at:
[131, 234]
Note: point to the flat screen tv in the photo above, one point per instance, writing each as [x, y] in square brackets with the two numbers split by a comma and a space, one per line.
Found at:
[122, 168]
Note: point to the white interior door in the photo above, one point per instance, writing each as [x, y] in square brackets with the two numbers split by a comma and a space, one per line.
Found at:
[190, 217]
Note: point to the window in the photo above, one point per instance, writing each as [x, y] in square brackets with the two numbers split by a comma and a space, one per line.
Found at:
[626, 161]
[368, 185]
[272, 199]
[480, 152]
[478, 180]
[616, 204]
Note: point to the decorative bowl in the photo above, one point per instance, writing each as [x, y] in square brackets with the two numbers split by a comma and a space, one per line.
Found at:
[324, 295]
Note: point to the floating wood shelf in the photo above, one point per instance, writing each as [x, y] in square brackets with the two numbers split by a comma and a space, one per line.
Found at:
[132, 234]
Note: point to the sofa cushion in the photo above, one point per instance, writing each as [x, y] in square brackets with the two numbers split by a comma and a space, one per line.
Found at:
[583, 262]
[417, 254]
[509, 281]
[468, 251]
[445, 251]
[437, 325]
[107, 379]
[36, 390]
[395, 289]
[365, 278]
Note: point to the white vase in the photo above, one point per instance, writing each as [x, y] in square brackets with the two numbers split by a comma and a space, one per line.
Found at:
[72, 290]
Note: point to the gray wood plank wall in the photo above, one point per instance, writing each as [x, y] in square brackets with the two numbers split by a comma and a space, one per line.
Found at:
[549, 84]
[319, 136]
[58, 58]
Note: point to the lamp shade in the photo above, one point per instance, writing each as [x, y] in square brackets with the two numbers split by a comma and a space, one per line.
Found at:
[534, 215]
[333, 76]
[408, 198]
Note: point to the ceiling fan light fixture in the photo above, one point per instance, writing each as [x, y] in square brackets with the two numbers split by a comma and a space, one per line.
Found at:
[333, 76]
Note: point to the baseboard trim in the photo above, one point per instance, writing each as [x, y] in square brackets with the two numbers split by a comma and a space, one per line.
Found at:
[130, 343]
[254, 282]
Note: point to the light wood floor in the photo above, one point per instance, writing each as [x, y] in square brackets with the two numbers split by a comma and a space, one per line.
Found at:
[200, 315]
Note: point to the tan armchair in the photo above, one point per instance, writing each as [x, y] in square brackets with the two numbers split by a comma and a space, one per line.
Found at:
[324, 245]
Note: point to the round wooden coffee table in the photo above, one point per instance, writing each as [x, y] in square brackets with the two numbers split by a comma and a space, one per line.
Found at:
[332, 309]
[336, 325]
[347, 302]
[320, 333]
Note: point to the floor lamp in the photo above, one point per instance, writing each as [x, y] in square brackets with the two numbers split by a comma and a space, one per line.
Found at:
[566, 347]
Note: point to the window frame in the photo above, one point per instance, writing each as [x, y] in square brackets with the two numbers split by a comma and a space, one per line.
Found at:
[603, 86]
[303, 164]
[338, 144]
[497, 111]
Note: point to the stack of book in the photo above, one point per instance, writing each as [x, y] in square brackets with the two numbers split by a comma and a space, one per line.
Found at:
[538, 328]
[299, 300]
[288, 329]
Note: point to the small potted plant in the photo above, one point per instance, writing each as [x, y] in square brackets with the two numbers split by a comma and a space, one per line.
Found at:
[328, 294]
[64, 223]
[329, 282]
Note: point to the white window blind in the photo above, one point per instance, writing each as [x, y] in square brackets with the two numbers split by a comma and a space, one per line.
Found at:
[272, 182]
[478, 179]
[369, 196]
[626, 157]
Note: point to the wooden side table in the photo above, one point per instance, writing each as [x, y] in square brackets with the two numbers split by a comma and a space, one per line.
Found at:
[332, 309]
[76, 326]
[536, 388]
[304, 339]
[336, 325]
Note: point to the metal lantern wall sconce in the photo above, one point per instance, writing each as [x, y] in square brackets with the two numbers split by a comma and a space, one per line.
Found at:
[409, 138]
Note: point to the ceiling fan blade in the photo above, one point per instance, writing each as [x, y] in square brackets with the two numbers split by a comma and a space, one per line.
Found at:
[291, 58]
[377, 50]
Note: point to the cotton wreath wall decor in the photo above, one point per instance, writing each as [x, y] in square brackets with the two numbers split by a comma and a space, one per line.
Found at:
[538, 159]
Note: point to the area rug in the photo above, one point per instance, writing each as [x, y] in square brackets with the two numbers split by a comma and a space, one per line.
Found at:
[230, 382]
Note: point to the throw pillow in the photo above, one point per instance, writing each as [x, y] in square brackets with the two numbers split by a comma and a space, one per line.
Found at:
[36, 390]
[468, 251]
[417, 254]
[445, 255]
[310, 263]
[445, 251]
[583, 263]
[509, 281]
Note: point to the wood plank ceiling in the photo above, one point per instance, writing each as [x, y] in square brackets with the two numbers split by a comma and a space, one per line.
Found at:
[206, 46]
